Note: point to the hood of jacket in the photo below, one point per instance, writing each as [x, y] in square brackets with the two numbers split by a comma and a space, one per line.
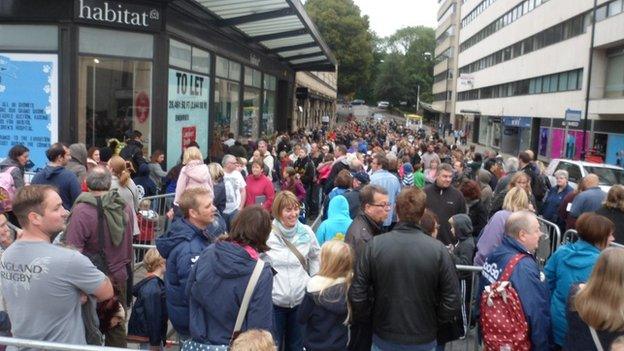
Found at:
[114, 208]
[79, 153]
[197, 171]
[9, 162]
[338, 208]
[484, 176]
[181, 230]
[232, 261]
[50, 172]
[462, 225]
[578, 255]
[333, 297]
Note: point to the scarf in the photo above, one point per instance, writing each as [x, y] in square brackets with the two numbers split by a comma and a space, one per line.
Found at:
[296, 234]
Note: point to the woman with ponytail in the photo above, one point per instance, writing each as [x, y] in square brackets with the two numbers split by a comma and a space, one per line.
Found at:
[124, 185]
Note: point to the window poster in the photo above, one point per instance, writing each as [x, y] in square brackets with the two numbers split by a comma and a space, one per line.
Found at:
[187, 113]
[615, 150]
[543, 141]
[28, 104]
[557, 143]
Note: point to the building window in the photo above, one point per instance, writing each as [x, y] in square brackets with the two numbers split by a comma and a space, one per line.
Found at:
[114, 94]
[559, 82]
[227, 100]
[615, 74]
[14, 37]
[251, 103]
[188, 99]
[267, 123]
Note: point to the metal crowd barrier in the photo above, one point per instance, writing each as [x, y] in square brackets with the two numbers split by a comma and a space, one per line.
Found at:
[570, 236]
[550, 241]
[46, 345]
[153, 222]
[470, 341]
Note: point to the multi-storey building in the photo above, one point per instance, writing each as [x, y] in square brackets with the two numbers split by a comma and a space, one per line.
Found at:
[524, 65]
[445, 55]
[315, 99]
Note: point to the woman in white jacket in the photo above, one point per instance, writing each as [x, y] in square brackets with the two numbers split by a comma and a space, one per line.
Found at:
[293, 272]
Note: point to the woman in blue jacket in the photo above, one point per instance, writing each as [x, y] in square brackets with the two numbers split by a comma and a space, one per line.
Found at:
[218, 281]
[556, 194]
[572, 264]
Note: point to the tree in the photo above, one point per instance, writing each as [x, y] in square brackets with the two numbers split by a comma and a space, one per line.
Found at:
[347, 34]
[390, 83]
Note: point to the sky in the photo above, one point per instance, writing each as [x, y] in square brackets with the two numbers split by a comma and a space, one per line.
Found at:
[386, 16]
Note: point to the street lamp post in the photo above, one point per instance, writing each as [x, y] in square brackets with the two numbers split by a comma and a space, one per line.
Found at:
[589, 69]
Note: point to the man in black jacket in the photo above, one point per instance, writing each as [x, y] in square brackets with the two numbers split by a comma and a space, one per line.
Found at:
[445, 201]
[339, 164]
[366, 225]
[405, 282]
[360, 180]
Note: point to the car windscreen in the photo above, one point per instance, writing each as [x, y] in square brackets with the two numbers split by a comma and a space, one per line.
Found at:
[607, 176]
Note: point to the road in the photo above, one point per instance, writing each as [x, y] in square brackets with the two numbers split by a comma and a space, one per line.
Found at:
[363, 113]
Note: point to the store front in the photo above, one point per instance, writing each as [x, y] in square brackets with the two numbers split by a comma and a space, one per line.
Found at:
[177, 71]
[516, 134]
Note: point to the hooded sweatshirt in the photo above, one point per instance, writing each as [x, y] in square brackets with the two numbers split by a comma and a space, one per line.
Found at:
[17, 173]
[464, 246]
[194, 174]
[78, 162]
[323, 314]
[181, 247]
[64, 180]
[143, 181]
[570, 264]
[227, 267]
[337, 223]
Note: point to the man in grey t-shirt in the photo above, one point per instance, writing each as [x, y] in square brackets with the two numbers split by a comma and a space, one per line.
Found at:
[43, 284]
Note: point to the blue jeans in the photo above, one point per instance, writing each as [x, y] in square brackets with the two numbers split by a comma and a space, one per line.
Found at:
[286, 329]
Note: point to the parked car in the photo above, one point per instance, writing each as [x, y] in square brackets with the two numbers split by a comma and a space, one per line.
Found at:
[358, 102]
[383, 104]
[608, 174]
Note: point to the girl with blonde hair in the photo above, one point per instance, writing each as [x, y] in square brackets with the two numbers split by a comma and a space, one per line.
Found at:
[194, 174]
[598, 306]
[324, 311]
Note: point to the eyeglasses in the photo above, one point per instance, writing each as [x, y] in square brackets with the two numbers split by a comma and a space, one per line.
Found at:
[384, 205]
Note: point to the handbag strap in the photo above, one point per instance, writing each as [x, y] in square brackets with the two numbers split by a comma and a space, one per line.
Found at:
[595, 338]
[511, 265]
[253, 281]
[292, 248]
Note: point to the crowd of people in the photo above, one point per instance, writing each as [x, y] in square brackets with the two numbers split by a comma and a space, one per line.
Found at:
[240, 267]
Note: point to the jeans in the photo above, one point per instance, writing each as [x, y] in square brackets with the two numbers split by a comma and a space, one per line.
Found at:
[286, 329]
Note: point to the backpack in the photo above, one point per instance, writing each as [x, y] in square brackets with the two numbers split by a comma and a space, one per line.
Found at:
[503, 322]
[7, 190]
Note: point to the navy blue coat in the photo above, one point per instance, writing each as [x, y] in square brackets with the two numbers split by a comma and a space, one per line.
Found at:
[149, 312]
[215, 289]
[550, 210]
[323, 317]
[181, 247]
[530, 285]
[64, 180]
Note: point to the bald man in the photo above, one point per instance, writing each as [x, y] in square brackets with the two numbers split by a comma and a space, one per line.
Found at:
[590, 199]
[522, 236]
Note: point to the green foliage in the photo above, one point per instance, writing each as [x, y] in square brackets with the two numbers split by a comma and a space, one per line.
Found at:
[408, 64]
[347, 33]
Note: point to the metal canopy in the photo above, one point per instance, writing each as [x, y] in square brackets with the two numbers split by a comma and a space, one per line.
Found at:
[282, 27]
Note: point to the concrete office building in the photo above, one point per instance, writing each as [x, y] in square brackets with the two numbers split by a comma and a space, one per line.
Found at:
[523, 64]
[445, 55]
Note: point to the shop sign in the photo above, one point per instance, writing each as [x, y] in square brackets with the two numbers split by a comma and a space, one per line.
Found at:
[117, 14]
[520, 122]
[187, 113]
[29, 104]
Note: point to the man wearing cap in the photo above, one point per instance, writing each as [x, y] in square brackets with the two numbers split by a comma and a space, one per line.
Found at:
[360, 179]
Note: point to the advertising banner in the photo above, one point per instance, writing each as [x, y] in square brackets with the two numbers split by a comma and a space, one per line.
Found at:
[543, 141]
[28, 104]
[615, 150]
[187, 113]
[557, 143]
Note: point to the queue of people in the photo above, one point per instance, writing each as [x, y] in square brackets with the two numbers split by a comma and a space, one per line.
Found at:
[379, 273]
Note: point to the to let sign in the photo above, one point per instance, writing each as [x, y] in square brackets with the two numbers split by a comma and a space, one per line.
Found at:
[118, 14]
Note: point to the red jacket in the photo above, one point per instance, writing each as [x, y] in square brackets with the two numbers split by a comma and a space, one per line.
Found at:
[259, 186]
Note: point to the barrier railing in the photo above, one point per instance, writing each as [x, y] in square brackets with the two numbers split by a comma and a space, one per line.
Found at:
[46, 345]
[570, 236]
[152, 220]
[470, 341]
[549, 242]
